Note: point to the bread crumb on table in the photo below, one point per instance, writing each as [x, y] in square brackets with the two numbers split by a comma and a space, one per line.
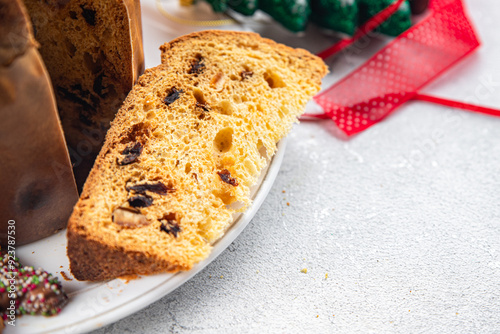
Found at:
[65, 276]
[128, 278]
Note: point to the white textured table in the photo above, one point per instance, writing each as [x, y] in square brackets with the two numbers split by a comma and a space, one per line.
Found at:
[398, 228]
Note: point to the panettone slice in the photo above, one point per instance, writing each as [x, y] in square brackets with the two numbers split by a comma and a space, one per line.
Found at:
[190, 140]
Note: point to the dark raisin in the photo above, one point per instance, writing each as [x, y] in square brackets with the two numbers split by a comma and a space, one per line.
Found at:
[131, 153]
[73, 15]
[197, 66]
[225, 176]
[78, 88]
[98, 85]
[246, 74]
[202, 106]
[157, 188]
[172, 96]
[169, 216]
[169, 224]
[140, 201]
[95, 101]
[133, 149]
[136, 132]
[73, 97]
[85, 118]
[88, 15]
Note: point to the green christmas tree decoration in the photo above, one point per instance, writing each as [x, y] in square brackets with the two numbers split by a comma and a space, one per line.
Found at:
[218, 6]
[292, 14]
[245, 7]
[399, 22]
[337, 15]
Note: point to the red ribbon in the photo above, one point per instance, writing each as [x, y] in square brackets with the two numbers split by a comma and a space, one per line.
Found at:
[400, 70]
[369, 25]
[457, 104]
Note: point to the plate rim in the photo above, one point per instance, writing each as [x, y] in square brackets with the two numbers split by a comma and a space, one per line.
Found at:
[109, 316]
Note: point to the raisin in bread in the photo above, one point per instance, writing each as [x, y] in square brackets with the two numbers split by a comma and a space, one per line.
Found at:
[37, 186]
[93, 52]
[184, 150]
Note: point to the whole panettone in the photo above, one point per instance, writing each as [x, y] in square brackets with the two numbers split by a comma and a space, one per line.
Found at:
[91, 52]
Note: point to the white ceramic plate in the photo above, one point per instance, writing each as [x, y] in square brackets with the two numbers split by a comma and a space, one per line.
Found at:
[93, 305]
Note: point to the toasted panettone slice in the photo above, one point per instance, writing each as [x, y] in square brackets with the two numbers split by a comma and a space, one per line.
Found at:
[190, 140]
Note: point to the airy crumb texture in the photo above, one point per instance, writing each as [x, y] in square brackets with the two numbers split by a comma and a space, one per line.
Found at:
[190, 140]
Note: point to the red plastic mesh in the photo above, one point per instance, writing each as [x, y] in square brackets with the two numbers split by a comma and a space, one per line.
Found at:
[396, 73]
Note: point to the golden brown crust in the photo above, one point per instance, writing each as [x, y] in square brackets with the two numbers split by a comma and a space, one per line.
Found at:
[133, 8]
[242, 37]
[38, 189]
[94, 261]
